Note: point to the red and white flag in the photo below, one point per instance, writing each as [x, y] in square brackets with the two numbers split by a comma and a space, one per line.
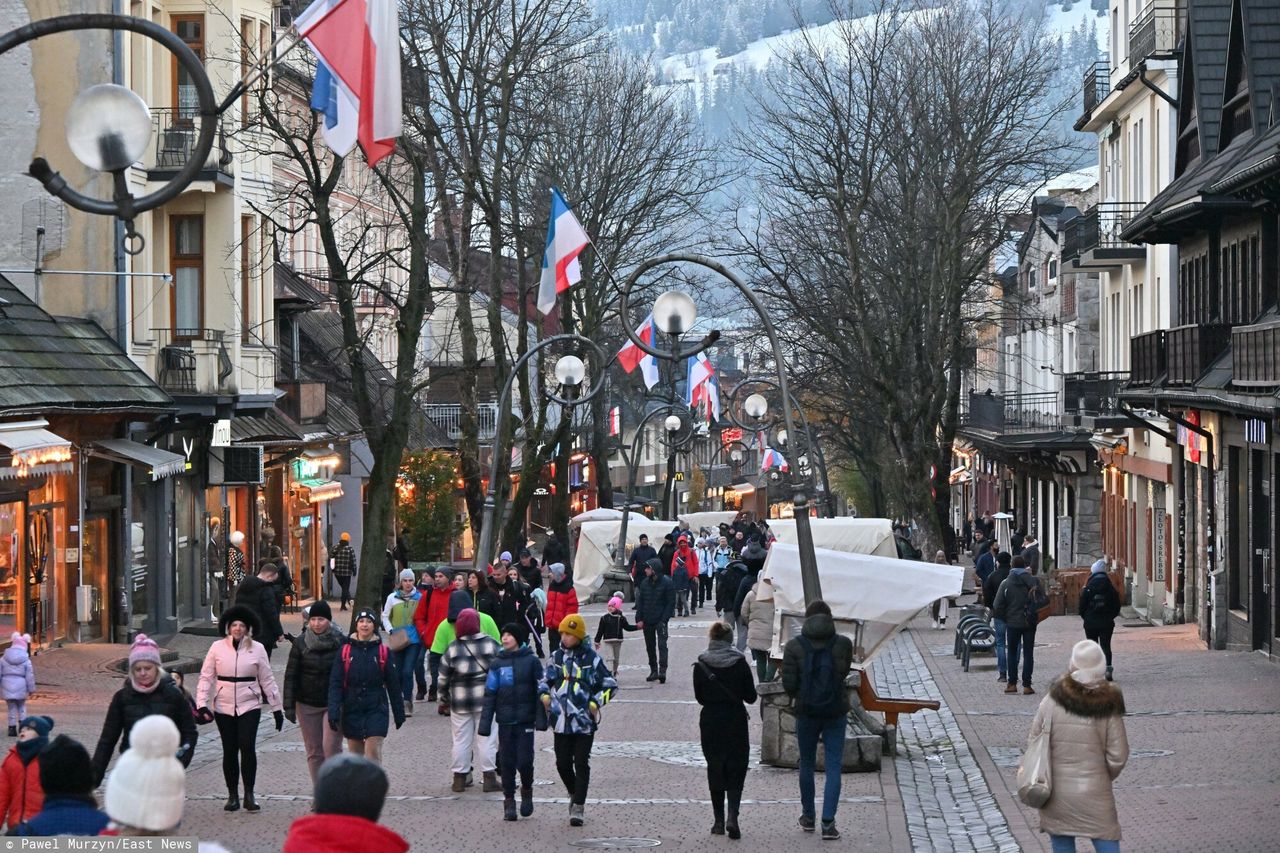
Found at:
[566, 239]
[631, 356]
[359, 41]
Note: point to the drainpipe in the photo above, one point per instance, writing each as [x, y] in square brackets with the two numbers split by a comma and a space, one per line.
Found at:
[1211, 525]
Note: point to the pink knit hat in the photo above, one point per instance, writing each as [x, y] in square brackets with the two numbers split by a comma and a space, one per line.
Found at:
[19, 641]
[615, 603]
[144, 649]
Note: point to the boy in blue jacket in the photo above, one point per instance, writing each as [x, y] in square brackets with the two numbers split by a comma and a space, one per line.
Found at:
[511, 695]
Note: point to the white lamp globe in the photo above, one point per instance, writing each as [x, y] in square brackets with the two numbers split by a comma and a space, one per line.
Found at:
[756, 406]
[675, 312]
[108, 127]
[570, 371]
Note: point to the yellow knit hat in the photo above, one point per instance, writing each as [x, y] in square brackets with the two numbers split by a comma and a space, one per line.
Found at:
[574, 625]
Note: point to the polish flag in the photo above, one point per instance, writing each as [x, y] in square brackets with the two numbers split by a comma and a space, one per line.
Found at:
[631, 356]
[769, 458]
[566, 239]
[359, 43]
[703, 387]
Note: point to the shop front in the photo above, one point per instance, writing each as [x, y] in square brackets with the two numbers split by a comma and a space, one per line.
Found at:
[311, 488]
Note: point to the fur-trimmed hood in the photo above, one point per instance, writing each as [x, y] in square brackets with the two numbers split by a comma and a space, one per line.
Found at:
[1097, 700]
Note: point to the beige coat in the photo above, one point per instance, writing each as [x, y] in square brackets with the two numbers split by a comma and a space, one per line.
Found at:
[1087, 750]
[759, 618]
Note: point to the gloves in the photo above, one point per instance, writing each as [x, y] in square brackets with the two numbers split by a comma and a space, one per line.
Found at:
[333, 725]
[291, 716]
[204, 715]
[279, 715]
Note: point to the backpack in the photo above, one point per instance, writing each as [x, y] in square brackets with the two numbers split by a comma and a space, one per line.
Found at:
[819, 692]
[1099, 602]
[1037, 600]
[346, 661]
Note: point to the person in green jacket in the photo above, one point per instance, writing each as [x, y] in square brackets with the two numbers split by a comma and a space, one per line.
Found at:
[446, 633]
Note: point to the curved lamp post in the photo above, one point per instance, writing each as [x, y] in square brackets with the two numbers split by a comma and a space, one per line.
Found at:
[672, 425]
[799, 495]
[570, 372]
[109, 126]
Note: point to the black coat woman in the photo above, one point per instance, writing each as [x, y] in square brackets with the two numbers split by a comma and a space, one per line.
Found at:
[724, 686]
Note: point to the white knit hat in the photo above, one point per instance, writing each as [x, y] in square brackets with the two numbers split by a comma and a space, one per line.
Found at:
[147, 788]
[1088, 663]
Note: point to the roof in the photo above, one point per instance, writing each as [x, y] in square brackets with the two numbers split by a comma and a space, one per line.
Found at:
[51, 364]
[1208, 23]
[1260, 161]
[1262, 50]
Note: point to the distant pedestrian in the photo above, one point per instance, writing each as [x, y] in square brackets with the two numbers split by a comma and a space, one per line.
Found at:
[1088, 748]
[815, 666]
[753, 558]
[258, 593]
[1099, 607]
[731, 580]
[364, 690]
[1004, 563]
[553, 551]
[236, 682]
[684, 575]
[667, 553]
[344, 569]
[706, 569]
[511, 701]
[463, 672]
[17, 678]
[722, 685]
[397, 619]
[510, 597]
[939, 607]
[562, 600]
[640, 556]
[536, 618]
[66, 778]
[21, 796]
[527, 565]
[1017, 603]
[986, 564]
[482, 598]
[655, 605]
[349, 794]
[1017, 541]
[721, 557]
[235, 562]
[757, 613]
[610, 632]
[574, 689]
[1031, 553]
[306, 685]
[433, 608]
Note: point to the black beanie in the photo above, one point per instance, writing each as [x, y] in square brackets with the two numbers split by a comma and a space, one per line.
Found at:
[65, 769]
[320, 608]
[515, 629]
[351, 785]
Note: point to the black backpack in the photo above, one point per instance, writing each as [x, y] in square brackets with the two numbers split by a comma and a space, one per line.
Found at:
[820, 692]
[1037, 599]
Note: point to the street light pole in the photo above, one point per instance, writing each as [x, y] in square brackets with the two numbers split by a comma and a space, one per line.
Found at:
[671, 411]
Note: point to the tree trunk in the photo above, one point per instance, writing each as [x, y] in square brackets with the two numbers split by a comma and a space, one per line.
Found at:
[599, 450]
[378, 512]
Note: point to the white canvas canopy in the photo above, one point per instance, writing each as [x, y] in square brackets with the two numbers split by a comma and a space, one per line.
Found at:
[699, 520]
[597, 542]
[855, 535]
[871, 596]
[599, 514]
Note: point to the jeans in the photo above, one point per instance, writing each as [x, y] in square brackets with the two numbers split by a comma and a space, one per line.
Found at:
[573, 762]
[406, 663]
[320, 741]
[1016, 638]
[655, 643]
[682, 602]
[1002, 653]
[465, 724]
[1102, 638]
[705, 593]
[239, 757]
[515, 752]
[1067, 844]
[832, 731]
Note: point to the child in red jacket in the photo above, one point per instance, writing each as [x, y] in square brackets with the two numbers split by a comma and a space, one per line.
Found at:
[562, 599]
[21, 796]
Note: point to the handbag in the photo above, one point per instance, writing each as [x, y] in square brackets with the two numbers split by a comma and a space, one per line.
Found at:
[397, 641]
[1035, 779]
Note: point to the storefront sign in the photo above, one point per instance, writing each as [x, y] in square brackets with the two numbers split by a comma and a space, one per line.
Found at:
[221, 434]
[541, 491]
[1159, 549]
[729, 436]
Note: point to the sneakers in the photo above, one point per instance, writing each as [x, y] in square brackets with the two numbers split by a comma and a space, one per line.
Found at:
[829, 831]
[806, 822]
[576, 814]
[1002, 677]
[1027, 691]
[1011, 687]
[935, 624]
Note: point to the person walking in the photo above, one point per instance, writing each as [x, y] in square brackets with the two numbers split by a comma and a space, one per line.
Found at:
[554, 551]
[1017, 601]
[258, 593]
[236, 682]
[574, 689]
[433, 608]
[347, 801]
[66, 778]
[640, 557]
[147, 690]
[1031, 553]
[722, 685]
[21, 796]
[720, 559]
[655, 605]
[757, 613]
[684, 576]
[510, 597]
[1099, 607]
[610, 632]
[562, 600]
[815, 666]
[989, 589]
[365, 690]
[527, 565]
[306, 685]
[482, 598]
[939, 607]
[463, 672]
[667, 553]
[986, 564]
[1088, 748]
[397, 618]
[344, 569]
[511, 700]
[17, 679]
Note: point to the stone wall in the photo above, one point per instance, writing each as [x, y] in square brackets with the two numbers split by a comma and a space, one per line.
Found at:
[863, 745]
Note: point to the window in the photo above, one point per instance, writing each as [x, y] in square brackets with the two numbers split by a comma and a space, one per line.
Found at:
[248, 34]
[189, 28]
[1135, 164]
[1052, 275]
[247, 291]
[186, 291]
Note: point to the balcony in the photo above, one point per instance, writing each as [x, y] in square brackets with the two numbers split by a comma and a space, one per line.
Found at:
[193, 362]
[1146, 358]
[173, 137]
[1089, 400]
[1097, 84]
[1155, 32]
[1191, 349]
[1005, 413]
[448, 416]
[1255, 355]
[305, 402]
[1091, 241]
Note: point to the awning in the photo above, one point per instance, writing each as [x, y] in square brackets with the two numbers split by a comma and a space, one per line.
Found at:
[321, 490]
[744, 488]
[159, 463]
[960, 475]
[34, 450]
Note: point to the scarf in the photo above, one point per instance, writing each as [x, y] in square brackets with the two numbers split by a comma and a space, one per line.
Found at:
[29, 749]
[319, 642]
[721, 654]
[148, 689]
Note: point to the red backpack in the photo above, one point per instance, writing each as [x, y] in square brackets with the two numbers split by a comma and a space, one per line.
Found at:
[346, 661]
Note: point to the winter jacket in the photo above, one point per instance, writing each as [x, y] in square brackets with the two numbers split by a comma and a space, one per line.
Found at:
[17, 675]
[445, 634]
[364, 694]
[721, 557]
[483, 601]
[1087, 750]
[530, 574]
[511, 690]
[128, 706]
[344, 560]
[984, 566]
[433, 608]
[743, 588]
[611, 627]
[260, 597]
[65, 816]
[562, 599]
[1031, 554]
[464, 667]
[1099, 602]
[655, 599]
[727, 591]
[640, 556]
[759, 618]
[991, 585]
[577, 680]
[398, 613]
[666, 554]
[1010, 604]
[684, 580]
[306, 676]
[554, 552]
[820, 630]
[340, 833]
[21, 796]
[236, 680]
[511, 601]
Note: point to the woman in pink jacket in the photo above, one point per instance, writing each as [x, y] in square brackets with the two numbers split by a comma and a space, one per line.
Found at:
[235, 682]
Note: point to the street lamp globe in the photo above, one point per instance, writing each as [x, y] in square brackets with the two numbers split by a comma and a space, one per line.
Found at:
[672, 423]
[570, 371]
[108, 127]
[736, 457]
[756, 406]
[782, 438]
[675, 312]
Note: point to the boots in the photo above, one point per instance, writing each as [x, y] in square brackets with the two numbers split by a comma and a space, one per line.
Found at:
[662, 676]
[233, 802]
[1109, 678]
[526, 800]
[731, 822]
[250, 804]
[653, 676]
[431, 693]
[13, 730]
[459, 783]
[717, 809]
[509, 808]
[490, 783]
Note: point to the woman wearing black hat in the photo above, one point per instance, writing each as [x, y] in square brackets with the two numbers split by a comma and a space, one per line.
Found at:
[235, 682]
[306, 684]
[365, 689]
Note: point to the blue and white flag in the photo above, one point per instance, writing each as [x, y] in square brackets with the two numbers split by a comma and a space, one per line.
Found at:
[339, 108]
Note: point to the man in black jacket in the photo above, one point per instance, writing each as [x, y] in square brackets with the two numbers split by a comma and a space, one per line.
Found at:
[640, 556]
[1011, 604]
[554, 551]
[1099, 607]
[511, 598]
[727, 601]
[655, 605]
[259, 595]
[990, 587]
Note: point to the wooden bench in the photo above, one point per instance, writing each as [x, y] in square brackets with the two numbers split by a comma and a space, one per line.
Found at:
[891, 708]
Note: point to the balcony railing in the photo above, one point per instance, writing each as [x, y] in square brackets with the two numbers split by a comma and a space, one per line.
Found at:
[1097, 83]
[448, 416]
[192, 361]
[1191, 349]
[173, 137]
[1091, 393]
[1146, 358]
[1031, 411]
[1255, 355]
[1156, 32]
[1098, 228]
